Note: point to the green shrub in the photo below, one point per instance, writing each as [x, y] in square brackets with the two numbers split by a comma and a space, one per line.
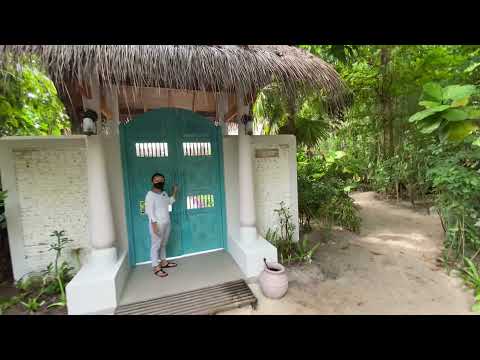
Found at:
[324, 184]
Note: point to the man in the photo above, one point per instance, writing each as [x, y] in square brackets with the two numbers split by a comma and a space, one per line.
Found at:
[157, 203]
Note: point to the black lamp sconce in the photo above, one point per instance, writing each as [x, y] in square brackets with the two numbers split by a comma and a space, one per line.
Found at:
[89, 120]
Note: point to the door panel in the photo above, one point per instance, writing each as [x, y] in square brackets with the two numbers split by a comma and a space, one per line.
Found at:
[184, 147]
[203, 229]
[142, 168]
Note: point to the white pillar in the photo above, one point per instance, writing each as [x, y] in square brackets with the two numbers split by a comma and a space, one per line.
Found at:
[251, 248]
[96, 287]
[100, 218]
[248, 226]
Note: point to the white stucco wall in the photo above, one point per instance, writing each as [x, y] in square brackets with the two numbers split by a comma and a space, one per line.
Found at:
[275, 181]
[47, 190]
[47, 183]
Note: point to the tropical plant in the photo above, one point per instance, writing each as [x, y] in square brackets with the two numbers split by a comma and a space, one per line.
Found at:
[453, 114]
[29, 284]
[306, 117]
[282, 238]
[287, 227]
[471, 276]
[62, 273]
[51, 284]
[305, 250]
[285, 248]
[7, 303]
[29, 103]
[324, 184]
[331, 53]
[454, 177]
[449, 111]
[33, 304]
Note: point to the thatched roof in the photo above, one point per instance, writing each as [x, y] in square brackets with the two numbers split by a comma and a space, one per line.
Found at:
[230, 68]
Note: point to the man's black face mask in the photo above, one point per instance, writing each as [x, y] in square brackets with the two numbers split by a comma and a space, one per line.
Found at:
[159, 185]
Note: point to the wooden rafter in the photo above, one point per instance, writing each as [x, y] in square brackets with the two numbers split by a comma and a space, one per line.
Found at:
[230, 114]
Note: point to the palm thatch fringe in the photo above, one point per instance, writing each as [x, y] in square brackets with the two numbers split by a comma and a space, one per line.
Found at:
[244, 69]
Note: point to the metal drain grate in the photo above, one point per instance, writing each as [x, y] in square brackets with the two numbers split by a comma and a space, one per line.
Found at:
[206, 301]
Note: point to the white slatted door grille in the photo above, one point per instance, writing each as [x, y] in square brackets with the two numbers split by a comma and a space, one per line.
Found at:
[197, 149]
[200, 201]
[148, 149]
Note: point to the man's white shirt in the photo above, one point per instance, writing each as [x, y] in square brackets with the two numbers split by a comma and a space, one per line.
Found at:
[157, 206]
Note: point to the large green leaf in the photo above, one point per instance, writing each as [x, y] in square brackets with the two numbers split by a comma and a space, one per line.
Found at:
[457, 92]
[427, 112]
[472, 67]
[429, 104]
[473, 112]
[340, 154]
[430, 125]
[461, 102]
[457, 131]
[477, 142]
[433, 91]
[455, 115]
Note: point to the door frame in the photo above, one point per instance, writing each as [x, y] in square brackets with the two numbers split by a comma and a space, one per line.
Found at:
[127, 196]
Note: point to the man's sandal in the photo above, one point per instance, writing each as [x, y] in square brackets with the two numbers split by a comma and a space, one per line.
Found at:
[169, 265]
[163, 273]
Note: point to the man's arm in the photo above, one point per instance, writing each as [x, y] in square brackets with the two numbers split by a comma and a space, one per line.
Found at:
[174, 194]
[150, 211]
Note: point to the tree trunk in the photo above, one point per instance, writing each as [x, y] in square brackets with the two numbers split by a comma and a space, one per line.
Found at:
[309, 152]
[76, 124]
[290, 127]
[67, 96]
[391, 140]
[386, 102]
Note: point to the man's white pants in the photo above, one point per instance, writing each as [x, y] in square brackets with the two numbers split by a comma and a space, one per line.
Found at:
[158, 250]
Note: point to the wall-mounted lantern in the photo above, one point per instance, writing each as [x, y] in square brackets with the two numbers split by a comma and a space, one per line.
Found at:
[247, 120]
[89, 120]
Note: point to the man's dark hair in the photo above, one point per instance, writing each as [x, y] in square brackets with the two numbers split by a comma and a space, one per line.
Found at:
[157, 174]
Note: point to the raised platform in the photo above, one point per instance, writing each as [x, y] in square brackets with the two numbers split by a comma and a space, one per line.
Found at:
[192, 273]
[206, 301]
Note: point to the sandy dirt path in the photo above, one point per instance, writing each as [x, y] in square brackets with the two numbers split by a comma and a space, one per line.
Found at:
[389, 268]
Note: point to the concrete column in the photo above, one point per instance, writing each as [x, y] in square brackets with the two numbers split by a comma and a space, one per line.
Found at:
[246, 188]
[95, 289]
[100, 219]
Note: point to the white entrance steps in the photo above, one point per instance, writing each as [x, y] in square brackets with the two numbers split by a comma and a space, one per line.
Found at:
[205, 301]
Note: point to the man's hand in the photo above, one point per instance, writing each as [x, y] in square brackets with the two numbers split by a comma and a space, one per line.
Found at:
[174, 189]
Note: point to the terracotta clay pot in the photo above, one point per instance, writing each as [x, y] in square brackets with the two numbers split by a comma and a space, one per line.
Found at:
[273, 281]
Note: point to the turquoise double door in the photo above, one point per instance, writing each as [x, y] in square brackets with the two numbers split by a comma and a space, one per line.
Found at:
[186, 148]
